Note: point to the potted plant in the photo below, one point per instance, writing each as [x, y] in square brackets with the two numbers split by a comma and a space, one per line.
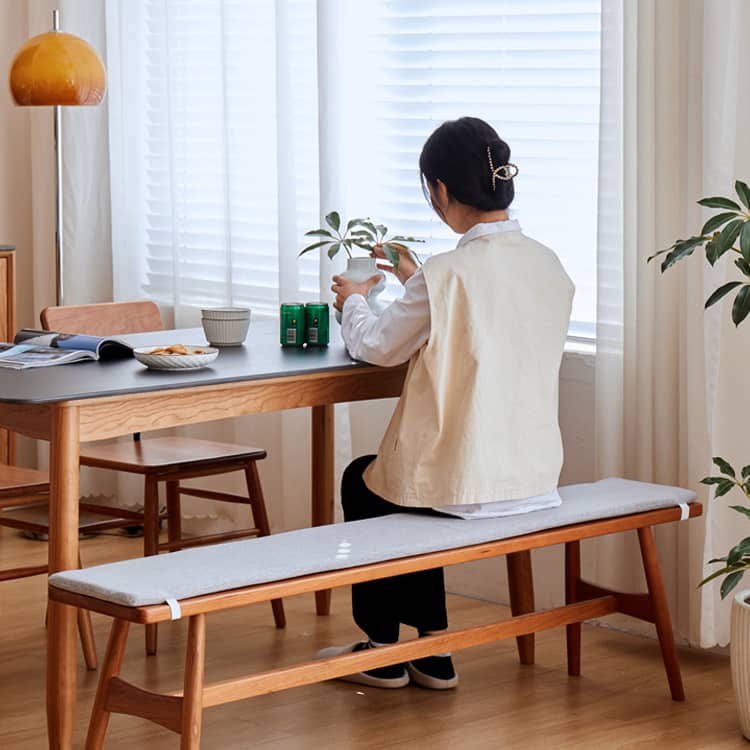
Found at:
[359, 234]
[729, 232]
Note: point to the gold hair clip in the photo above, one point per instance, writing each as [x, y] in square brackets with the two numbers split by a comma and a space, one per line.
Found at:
[505, 172]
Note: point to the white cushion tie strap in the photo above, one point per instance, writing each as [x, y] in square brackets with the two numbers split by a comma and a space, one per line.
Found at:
[684, 511]
[174, 608]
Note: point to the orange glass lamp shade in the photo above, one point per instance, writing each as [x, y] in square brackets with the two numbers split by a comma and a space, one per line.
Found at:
[57, 69]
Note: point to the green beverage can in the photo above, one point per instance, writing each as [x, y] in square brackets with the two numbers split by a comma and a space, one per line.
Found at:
[316, 323]
[292, 324]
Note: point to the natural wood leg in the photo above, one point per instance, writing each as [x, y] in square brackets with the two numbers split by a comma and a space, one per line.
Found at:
[260, 520]
[521, 587]
[661, 612]
[174, 513]
[112, 664]
[63, 555]
[86, 634]
[322, 482]
[192, 702]
[573, 631]
[151, 542]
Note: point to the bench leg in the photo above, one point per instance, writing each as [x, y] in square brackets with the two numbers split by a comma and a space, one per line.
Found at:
[661, 612]
[260, 520]
[573, 632]
[521, 587]
[192, 702]
[86, 633]
[322, 482]
[151, 542]
[112, 665]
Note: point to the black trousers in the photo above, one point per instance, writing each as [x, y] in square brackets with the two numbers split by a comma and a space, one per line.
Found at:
[380, 607]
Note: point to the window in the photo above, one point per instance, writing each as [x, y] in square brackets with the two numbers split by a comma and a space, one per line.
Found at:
[214, 120]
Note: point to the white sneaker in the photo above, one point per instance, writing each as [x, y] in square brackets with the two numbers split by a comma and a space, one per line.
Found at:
[392, 676]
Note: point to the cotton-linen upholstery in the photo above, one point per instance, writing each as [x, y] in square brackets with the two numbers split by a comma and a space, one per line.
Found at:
[205, 570]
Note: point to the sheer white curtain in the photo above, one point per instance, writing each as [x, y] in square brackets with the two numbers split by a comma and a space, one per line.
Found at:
[223, 148]
[668, 377]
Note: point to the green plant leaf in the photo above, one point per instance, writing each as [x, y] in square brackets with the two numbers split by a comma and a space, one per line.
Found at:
[382, 230]
[333, 220]
[314, 247]
[728, 236]
[739, 551]
[721, 292]
[730, 582]
[712, 251]
[741, 306]
[399, 238]
[743, 191]
[722, 488]
[718, 202]
[746, 472]
[745, 241]
[333, 250]
[713, 480]
[361, 243]
[392, 254]
[717, 221]
[724, 466]
[717, 560]
[743, 509]
[681, 249]
[743, 265]
[363, 233]
[319, 232]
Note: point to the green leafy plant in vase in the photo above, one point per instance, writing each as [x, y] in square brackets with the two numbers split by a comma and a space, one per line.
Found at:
[354, 236]
[729, 232]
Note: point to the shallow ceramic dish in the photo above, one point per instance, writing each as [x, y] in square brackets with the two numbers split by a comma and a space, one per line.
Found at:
[197, 357]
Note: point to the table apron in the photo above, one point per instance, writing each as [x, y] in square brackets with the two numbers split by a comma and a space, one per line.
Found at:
[111, 416]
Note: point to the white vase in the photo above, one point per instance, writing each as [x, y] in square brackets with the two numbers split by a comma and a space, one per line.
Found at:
[362, 269]
[740, 657]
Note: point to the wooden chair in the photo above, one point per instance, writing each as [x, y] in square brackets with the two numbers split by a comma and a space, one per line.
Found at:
[28, 490]
[168, 460]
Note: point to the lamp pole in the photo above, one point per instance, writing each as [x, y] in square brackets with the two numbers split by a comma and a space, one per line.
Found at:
[58, 188]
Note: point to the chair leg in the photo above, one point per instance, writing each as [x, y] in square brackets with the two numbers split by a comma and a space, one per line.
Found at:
[260, 519]
[88, 644]
[521, 587]
[112, 665]
[174, 513]
[661, 612]
[573, 631]
[151, 542]
[192, 701]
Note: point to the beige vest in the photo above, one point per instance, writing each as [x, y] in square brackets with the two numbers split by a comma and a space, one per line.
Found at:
[477, 419]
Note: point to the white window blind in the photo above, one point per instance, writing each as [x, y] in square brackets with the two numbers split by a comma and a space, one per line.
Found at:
[228, 177]
[531, 69]
[215, 106]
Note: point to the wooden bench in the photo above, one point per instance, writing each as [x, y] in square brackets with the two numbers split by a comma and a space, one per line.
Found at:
[196, 582]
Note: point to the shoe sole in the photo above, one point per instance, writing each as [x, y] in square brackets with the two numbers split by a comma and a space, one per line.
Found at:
[429, 682]
[361, 678]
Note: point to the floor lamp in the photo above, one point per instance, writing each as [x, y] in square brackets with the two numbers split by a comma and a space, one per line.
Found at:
[59, 70]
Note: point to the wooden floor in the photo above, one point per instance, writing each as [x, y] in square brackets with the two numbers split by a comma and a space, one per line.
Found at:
[621, 700]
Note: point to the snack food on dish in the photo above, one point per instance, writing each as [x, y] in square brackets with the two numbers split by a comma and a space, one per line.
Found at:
[176, 349]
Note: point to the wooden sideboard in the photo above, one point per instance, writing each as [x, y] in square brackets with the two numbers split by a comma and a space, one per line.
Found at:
[7, 331]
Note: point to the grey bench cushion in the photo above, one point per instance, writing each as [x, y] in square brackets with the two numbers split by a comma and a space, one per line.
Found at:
[205, 570]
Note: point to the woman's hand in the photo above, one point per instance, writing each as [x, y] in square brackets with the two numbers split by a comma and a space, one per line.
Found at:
[406, 263]
[344, 288]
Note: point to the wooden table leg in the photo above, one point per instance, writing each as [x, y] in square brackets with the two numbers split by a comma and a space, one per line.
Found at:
[63, 555]
[521, 587]
[322, 482]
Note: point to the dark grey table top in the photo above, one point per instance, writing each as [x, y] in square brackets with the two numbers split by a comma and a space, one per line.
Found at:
[7, 247]
[260, 357]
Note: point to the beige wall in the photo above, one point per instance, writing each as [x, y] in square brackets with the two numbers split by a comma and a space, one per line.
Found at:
[15, 160]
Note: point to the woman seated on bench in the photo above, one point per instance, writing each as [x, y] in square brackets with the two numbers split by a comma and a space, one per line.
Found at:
[475, 432]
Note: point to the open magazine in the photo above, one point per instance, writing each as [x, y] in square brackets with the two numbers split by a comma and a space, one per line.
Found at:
[31, 348]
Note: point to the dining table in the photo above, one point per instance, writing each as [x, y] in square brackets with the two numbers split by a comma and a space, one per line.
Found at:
[96, 400]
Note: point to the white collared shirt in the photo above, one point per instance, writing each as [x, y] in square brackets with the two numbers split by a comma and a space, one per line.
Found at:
[403, 329]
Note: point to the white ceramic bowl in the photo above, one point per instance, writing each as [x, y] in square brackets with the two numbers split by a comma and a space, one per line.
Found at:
[225, 313]
[197, 357]
[225, 332]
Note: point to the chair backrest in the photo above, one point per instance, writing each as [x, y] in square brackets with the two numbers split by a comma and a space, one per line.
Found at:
[103, 319]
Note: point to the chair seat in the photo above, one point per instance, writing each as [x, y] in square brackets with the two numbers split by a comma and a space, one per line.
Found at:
[17, 481]
[163, 453]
